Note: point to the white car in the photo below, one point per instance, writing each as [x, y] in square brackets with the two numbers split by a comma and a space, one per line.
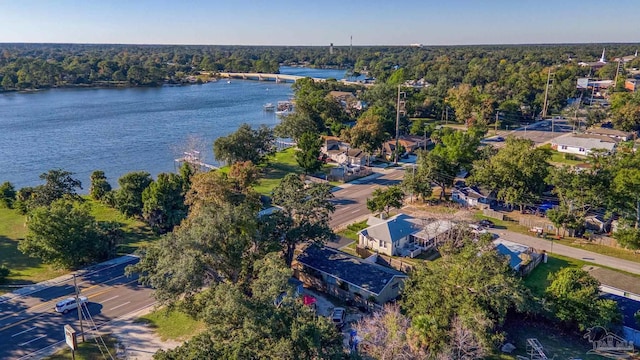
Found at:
[67, 304]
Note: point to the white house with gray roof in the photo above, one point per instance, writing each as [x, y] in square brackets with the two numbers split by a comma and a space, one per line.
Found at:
[402, 235]
[583, 144]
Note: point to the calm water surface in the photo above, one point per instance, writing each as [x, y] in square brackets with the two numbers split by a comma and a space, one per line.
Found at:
[123, 130]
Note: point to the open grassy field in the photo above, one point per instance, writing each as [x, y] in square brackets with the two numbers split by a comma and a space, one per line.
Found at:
[283, 163]
[27, 270]
[173, 325]
[24, 269]
[136, 232]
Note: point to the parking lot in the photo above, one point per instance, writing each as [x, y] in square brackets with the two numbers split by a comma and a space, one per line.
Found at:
[540, 132]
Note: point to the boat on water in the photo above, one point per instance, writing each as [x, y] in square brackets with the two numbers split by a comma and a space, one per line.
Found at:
[228, 81]
[282, 112]
[284, 106]
[269, 107]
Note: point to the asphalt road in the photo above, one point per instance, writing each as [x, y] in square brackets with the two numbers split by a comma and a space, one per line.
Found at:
[351, 199]
[29, 323]
[568, 251]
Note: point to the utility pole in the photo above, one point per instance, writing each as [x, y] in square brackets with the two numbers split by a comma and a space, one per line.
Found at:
[497, 122]
[546, 96]
[75, 285]
[399, 109]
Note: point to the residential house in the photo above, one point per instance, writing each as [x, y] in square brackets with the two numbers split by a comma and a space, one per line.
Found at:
[410, 143]
[597, 223]
[583, 144]
[472, 196]
[522, 258]
[612, 133]
[352, 157]
[402, 235]
[342, 153]
[347, 276]
[347, 100]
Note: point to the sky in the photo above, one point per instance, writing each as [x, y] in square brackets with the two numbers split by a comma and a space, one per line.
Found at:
[303, 22]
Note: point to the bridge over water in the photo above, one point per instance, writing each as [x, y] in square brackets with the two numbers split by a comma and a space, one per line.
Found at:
[279, 78]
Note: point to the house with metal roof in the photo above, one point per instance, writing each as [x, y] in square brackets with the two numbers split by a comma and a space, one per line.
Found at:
[346, 276]
[583, 144]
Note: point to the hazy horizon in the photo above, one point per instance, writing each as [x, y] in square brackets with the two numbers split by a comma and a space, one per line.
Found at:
[292, 23]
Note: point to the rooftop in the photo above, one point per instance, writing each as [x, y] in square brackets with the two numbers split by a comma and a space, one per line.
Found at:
[393, 229]
[355, 271]
[588, 142]
[608, 132]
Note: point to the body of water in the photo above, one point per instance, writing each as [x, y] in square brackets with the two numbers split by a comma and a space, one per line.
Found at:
[124, 130]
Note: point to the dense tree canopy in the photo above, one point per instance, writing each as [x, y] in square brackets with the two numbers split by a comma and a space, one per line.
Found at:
[100, 187]
[218, 245]
[163, 202]
[7, 195]
[308, 153]
[383, 200]
[66, 235]
[517, 172]
[575, 300]
[304, 214]
[245, 144]
[58, 184]
[470, 289]
[249, 325]
[128, 198]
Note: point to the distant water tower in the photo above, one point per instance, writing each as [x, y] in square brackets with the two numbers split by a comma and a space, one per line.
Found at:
[331, 49]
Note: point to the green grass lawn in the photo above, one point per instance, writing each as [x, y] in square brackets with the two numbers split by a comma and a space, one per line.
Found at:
[283, 163]
[351, 232]
[601, 249]
[537, 281]
[88, 350]
[136, 232]
[26, 270]
[173, 325]
[560, 158]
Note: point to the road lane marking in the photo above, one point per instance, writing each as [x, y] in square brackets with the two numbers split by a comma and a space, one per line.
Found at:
[22, 321]
[53, 301]
[84, 275]
[109, 299]
[45, 313]
[22, 332]
[32, 340]
[121, 305]
[355, 211]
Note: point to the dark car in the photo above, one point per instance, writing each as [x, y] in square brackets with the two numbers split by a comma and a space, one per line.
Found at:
[486, 223]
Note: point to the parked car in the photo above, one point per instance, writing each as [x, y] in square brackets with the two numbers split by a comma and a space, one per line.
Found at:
[338, 316]
[64, 306]
[486, 223]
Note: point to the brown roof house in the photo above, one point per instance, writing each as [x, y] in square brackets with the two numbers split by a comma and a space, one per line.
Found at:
[347, 100]
[409, 142]
[342, 153]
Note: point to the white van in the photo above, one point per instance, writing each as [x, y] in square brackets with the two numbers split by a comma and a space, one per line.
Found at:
[65, 305]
